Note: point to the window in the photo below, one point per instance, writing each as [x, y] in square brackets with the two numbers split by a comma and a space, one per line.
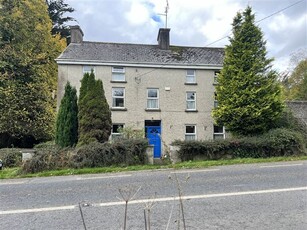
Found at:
[88, 69]
[116, 131]
[190, 77]
[216, 74]
[118, 97]
[215, 100]
[118, 74]
[190, 132]
[152, 98]
[191, 101]
[218, 132]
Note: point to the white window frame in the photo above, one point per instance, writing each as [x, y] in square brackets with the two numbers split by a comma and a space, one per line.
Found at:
[190, 78]
[190, 101]
[152, 99]
[88, 69]
[114, 97]
[190, 136]
[223, 134]
[118, 71]
[116, 135]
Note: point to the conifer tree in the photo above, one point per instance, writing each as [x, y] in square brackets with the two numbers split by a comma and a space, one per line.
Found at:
[67, 119]
[248, 94]
[94, 114]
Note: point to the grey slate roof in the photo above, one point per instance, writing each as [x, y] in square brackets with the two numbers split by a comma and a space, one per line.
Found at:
[141, 54]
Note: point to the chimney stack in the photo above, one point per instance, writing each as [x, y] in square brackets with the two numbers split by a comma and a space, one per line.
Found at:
[76, 34]
[163, 38]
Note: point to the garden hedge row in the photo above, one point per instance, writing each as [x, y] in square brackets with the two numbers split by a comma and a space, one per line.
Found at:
[277, 142]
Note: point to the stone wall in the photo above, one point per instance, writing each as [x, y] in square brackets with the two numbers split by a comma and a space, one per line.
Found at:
[299, 109]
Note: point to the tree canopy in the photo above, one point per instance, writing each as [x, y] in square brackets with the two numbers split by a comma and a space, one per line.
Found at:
[249, 97]
[56, 10]
[296, 84]
[28, 72]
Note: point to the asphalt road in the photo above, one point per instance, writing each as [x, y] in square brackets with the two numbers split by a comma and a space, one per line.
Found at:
[258, 196]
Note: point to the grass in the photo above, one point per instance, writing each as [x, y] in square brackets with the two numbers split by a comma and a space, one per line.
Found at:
[10, 173]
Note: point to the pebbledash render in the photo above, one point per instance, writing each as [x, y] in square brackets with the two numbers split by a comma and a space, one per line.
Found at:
[167, 91]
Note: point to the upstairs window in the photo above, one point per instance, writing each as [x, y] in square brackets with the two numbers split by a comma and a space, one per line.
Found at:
[118, 97]
[118, 74]
[191, 100]
[190, 132]
[88, 69]
[152, 98]
[218, 132]
[215, 100]
[190, 77]
[216, 74]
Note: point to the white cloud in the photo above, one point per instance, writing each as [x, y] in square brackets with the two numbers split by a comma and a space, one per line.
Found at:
[138, 14]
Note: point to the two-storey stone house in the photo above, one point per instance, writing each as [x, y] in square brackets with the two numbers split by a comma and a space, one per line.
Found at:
[168, 91]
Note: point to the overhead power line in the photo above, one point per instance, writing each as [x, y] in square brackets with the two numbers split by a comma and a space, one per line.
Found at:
[283, 9]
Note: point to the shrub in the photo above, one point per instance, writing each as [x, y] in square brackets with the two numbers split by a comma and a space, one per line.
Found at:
[48, 158]
[277, 142]
[11, 157]
[120, 152]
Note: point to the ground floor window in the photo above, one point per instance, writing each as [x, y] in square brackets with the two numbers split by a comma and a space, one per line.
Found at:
[116, 131]
[190, 132]
[218, 132]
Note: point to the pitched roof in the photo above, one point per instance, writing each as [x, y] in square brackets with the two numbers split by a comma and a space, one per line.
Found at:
[123, 53]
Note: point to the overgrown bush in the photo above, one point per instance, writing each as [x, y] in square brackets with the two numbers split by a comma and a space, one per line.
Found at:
[120, 152]
[277, 142]
[11, 157]
[50, 157]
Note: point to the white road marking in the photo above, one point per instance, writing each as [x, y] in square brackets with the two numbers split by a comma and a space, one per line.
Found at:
[276, 166]
[102, 177]
[12, 182]
[195, 171]
[20, 211]
[163, 199]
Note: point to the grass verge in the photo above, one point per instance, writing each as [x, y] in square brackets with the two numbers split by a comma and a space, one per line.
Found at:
[10, 173]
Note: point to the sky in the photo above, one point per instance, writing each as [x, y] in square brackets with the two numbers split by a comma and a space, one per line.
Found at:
[200, 23]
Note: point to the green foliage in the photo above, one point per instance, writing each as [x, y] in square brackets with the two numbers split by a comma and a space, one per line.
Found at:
[296, 85]
[67, 119]
[277, 142]
[94, 113]
[28, 72]
[48, 158]
[121, 152]
[11, 157]
[56, 10]
[130, 132]
[248, 94]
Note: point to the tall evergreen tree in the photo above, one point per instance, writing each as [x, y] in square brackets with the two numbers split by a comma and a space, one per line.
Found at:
[28, 72]
[94, 114]
[67, 119]
[56, 10]
[248, 94]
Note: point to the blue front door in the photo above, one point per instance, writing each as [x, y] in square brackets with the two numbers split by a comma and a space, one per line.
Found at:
[154, 138]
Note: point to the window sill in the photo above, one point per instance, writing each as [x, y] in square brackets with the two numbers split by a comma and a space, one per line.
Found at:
[112, 81]
[118, 109]
[191, 110]
[190, 83]
[153, 110]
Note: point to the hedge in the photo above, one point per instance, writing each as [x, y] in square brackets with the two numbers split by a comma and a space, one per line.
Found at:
[277, 142]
